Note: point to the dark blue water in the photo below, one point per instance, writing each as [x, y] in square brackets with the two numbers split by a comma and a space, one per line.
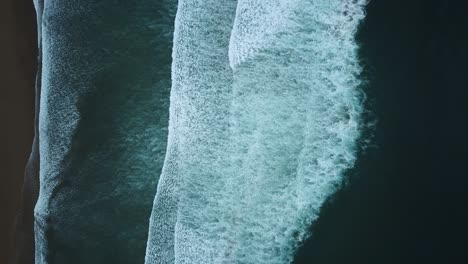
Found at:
[406, 200]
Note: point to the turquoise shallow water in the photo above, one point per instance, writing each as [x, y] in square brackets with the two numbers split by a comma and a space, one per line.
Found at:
[103, 127]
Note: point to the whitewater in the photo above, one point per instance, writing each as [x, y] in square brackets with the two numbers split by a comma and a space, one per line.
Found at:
[265, 117]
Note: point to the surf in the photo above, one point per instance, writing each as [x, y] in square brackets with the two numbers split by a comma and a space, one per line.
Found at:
[265, 116]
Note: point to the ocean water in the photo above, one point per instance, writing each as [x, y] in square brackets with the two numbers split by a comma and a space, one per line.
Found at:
[406, 197]
[260, 132]
[196, 159]
[264, 122]
[103, 127]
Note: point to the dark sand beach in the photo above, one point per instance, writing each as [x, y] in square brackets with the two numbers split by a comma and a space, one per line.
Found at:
[18, 47]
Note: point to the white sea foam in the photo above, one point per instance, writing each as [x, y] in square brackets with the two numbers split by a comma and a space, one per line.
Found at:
[264, 120]
[199, 119]
[296, 112]
[255, 26]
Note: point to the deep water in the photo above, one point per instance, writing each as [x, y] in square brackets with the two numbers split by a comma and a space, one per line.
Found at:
[406, 198]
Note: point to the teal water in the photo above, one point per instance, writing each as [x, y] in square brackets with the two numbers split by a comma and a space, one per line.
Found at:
[103, 127]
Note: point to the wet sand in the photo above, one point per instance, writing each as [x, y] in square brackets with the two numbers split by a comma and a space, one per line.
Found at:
[18, 47]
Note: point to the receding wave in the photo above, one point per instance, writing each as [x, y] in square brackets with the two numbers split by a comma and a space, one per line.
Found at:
[103, 127]
[265, 116]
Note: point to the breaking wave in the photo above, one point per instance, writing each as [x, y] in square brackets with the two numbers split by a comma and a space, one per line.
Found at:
[265, 114]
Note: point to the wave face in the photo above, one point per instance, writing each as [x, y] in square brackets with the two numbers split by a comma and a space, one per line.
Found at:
[264, 120]
[103, 127]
